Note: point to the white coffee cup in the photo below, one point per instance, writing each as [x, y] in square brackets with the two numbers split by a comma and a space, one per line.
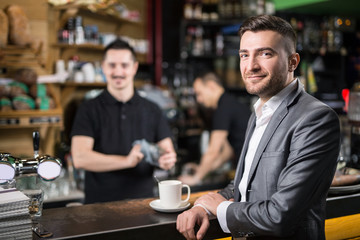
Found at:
[170, 193]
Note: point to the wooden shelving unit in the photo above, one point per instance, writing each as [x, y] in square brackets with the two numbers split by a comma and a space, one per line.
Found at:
[15, 57]
[74, 9]
[107, 20]
[97, 48]
[16, 127]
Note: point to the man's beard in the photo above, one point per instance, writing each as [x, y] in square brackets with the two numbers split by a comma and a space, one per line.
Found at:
[267, 87]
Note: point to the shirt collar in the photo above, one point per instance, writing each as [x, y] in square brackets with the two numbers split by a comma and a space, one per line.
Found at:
[110, 99]
[274, 102]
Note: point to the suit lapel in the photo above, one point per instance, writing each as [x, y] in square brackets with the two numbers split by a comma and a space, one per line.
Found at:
[269, 132]
[274, 123]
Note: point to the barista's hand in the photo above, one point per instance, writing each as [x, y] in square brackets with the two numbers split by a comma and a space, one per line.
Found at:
[190, 180]
[167, 160]
[186, 222]
[135, 156]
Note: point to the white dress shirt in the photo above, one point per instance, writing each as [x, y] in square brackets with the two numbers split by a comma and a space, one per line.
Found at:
[263, 113]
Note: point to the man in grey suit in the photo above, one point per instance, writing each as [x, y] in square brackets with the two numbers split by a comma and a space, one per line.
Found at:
[289, 156]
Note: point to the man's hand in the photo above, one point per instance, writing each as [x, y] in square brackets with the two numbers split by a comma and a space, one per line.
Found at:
[186, 222]
[167, 160]
[210, 201]
[135, 156]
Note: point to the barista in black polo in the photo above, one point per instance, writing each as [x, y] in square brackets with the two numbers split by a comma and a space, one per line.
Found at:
[105, 128]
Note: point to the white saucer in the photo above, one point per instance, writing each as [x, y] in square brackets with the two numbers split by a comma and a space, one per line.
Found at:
[155, 204]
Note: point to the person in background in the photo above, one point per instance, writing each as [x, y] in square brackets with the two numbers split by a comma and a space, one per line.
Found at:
[290, 152]
[229, 123]
[105, 128]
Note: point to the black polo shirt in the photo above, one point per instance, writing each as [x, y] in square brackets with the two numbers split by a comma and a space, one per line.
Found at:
[115, 126]
[232, 116]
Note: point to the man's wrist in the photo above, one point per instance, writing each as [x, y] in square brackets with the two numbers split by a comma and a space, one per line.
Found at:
[202, 206]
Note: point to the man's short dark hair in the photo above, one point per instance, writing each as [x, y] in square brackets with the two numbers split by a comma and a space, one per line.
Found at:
[271, 23]
[207, 76]
[120, 44]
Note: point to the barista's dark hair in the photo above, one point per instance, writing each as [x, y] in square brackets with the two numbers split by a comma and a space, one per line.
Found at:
[120, 44]
[208, 76]
[271, 23]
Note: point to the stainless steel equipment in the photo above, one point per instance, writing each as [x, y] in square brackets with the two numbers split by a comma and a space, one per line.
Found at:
[354, 119]
[47, 167]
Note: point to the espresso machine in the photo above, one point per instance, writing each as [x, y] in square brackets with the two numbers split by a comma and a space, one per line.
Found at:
[354, 120]
[47, 168]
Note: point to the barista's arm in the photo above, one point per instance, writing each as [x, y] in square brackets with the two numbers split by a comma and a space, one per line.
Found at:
[168, 159]
[219, 152]
[85, 157]
[226, 153]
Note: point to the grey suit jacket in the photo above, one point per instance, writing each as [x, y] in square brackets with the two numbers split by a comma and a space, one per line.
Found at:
[290, 175]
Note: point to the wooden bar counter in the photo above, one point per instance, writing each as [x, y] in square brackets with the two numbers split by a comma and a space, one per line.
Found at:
[135, 219]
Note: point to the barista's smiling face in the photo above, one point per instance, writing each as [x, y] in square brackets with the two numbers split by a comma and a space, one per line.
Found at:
[119, 68]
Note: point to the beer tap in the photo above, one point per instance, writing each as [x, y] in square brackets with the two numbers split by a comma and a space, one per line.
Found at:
[47, 167]
[36, 143]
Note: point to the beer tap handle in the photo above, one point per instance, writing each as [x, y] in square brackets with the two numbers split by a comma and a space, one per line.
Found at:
[36, 143]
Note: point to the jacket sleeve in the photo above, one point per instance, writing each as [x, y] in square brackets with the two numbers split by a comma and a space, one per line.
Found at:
[310, 150]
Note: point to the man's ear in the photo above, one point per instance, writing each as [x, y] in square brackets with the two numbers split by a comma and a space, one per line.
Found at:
[211, 84]
[294, 61]
[136, 66]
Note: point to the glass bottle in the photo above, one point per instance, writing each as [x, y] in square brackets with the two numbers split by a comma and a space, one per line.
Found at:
[79, 31]
[219, 44]
[71, 31]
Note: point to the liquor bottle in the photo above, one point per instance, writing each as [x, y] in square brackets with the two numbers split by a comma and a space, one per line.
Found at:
[198, 47]
[71, 31]
[197, 14]
[188, 11]
[79, 31]
[219, 44]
